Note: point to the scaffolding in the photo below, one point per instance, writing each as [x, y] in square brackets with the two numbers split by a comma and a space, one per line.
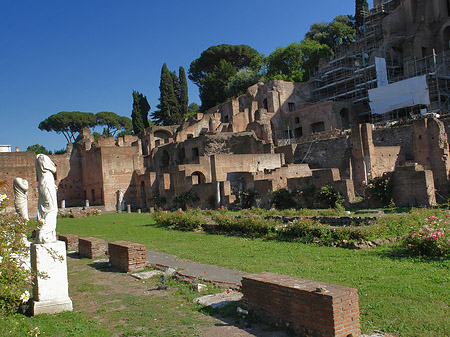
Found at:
[352, 73]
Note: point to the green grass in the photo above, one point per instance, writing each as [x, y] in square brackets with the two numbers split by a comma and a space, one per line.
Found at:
[404, 295]
[63, 324]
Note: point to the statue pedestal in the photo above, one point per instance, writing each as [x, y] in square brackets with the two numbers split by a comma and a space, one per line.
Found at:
[50, 290]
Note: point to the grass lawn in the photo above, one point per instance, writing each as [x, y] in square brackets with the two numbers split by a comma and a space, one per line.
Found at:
[409, 296]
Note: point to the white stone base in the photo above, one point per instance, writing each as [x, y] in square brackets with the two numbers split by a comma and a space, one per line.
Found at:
[50, 290]
[50, 307]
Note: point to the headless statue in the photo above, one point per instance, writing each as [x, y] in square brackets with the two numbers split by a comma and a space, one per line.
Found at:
[47, 199]
[20, 197]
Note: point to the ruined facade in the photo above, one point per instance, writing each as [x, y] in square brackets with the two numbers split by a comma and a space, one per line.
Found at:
[288, 135]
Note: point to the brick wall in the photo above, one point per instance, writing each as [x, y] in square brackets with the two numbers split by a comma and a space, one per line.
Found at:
[127, 256]
[307, 307]
[70, 240]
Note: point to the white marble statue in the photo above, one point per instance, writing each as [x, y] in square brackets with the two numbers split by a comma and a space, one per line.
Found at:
[20, 197]
[119, 200]
[47, 200]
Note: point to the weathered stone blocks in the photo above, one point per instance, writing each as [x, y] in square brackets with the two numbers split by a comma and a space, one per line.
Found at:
[307, 307]
[127, 256]
[92, 247]
[70, 240]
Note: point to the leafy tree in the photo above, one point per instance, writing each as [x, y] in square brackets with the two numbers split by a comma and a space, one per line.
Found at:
[193, 107]
[285, 63]
[360, 7]
[213, 90]
[113, 122]
[216, 65]
[183, 98]
[139, 115]
[239, 82]
[312, 52]
[340, 31]
[37, 148]
[68, 123]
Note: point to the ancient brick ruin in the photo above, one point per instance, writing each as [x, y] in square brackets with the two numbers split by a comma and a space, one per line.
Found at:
[329, 130]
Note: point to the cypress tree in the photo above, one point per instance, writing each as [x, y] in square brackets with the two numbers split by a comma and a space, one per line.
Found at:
[360, 6]
[168, 106]
[183, 96]
[139, 115]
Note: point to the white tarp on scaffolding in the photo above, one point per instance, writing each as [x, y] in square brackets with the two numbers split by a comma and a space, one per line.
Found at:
[402, 94]
[380, 67]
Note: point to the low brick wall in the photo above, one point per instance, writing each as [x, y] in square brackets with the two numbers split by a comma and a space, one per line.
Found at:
[127, 256]
[70, 240]
[92, 247]
[308, 308]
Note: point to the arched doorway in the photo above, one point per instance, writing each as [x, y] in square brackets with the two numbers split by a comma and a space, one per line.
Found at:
[198, 178]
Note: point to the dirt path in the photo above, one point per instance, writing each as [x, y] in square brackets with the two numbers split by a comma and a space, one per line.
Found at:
[130, 307]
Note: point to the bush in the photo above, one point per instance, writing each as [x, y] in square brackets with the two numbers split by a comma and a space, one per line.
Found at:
[431, 239]
[179, 220]
[15, 277]
[244, 225]
[380, 189]
[283, 199]
[247, 198]
[185, 199]
[91, 211]
[312, 231]
[329, 197]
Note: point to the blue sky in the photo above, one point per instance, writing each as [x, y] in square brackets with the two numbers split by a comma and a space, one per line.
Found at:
[89, 55]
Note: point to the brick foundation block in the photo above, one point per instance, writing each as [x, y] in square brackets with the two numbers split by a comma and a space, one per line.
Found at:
[308, 308]
[70, 240]
[92, 247]
[127, 256]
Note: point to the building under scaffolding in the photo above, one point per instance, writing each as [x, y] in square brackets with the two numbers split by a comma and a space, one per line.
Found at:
[371, 62]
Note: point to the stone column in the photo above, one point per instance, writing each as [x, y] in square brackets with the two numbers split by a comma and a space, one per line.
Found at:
[63, 205]
[218, 200]
[128, 208]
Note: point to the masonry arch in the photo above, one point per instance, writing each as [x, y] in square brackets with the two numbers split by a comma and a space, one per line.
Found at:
[198, 178]
[162, 135]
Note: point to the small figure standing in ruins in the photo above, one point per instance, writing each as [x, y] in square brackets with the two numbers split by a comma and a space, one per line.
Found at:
[119, 201]
[20, 197]
[47, 199]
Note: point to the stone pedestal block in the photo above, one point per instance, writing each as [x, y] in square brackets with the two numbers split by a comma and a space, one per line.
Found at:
[51, 287]
[92, 247]
[127, 256]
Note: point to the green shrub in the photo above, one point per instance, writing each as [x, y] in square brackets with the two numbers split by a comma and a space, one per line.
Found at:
[431, 239]
[179, 220]
[247, 198]
[283, 199]
[380, 189]
[329, 197]
[15, 278]
[245, 225]
[185, 199]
